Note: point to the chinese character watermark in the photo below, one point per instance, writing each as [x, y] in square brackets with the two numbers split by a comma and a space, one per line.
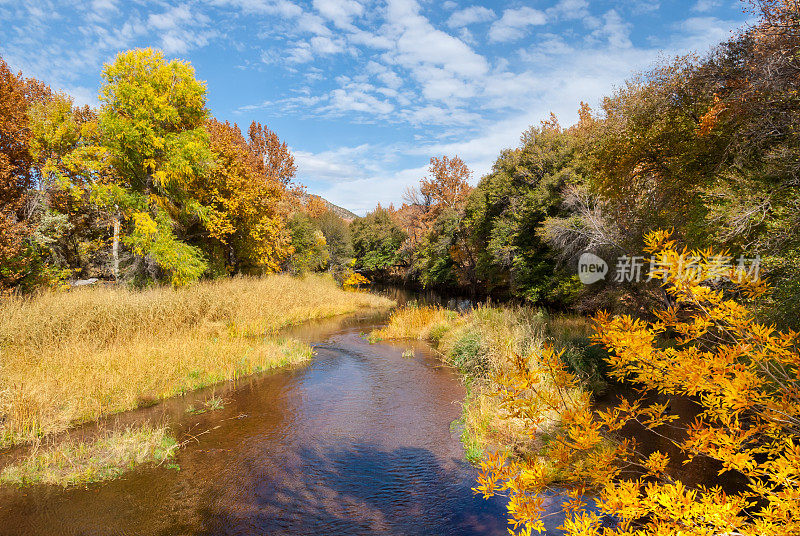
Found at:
[637, 268]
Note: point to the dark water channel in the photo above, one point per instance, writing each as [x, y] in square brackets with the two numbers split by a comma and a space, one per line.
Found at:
[359, 441]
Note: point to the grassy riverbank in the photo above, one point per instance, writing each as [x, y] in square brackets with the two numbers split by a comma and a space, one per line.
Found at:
[75, 356]
[481, 344]
[74, 463]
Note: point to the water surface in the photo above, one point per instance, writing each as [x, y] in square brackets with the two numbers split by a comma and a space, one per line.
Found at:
[357, 442]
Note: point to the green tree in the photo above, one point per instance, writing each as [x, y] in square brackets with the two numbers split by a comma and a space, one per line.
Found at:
[337, 237]
[308, 243]
[152, 118]
[376, 242]
[508, 208]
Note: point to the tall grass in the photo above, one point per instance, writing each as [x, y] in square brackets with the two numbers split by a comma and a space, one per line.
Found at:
[72, 463]
[481, 343]
[75, 356]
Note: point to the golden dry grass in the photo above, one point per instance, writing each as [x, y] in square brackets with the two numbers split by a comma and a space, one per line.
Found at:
[71, 463]
[481, 343]
[75, 356]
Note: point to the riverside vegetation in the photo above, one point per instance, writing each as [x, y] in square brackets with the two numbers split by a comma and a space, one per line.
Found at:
[71, 463]
[533, 402]
[481, 344]
[151, 189]
[73, 357]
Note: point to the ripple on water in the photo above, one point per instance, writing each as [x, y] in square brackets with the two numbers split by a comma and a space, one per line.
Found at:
[358, 442]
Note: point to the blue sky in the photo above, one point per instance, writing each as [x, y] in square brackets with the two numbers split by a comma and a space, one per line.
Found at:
[364, 91]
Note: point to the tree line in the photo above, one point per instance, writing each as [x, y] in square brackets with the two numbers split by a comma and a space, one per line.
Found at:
[706, 146]
[149, 187]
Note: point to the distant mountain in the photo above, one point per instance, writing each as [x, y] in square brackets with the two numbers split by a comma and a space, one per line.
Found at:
[336, 209]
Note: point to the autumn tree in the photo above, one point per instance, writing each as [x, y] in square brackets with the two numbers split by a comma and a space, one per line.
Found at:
[245, 208]
[704, 345]
[70, 230]
[152, 118]
[273, 154]
[18, 172]
[15, 176]
[753, 200]
[446, 187]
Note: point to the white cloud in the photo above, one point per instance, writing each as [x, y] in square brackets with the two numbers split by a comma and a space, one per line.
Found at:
[699, 33]
[384, 74]
[569, 10]
[100, 11]
[614, 30]
[704, 6]
[300, 53]
[282, 8]
[181, 29]
[514, 24]
[83, 95]
[644, 6]
[335, 165]
[311, 23]
[470, 15]
[358, 98]
[341, 12]
[443, 65]
[325, 45]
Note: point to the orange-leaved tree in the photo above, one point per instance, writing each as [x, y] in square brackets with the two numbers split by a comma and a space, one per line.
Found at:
[246, 206]
[705, 346]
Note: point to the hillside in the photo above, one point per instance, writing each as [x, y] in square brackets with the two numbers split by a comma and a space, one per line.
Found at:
[336, 209]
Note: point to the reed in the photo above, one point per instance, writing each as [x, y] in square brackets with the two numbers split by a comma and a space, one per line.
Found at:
[70, 463]
[481, 344]
[72, 357]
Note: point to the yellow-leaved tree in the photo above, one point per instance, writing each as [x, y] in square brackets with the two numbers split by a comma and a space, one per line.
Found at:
[705, 346]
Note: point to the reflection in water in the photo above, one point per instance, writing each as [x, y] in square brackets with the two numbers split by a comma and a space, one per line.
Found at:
[404, 296]
[357, 442]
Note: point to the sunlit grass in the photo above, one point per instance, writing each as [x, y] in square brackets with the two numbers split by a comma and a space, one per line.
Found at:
[73, 357]
[212, 404]
[71, 463]
[481, 344]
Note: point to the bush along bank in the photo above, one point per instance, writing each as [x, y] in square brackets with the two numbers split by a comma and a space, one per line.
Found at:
[75, 357]
[485, 343]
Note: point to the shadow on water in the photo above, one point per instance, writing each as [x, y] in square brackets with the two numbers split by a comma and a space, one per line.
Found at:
[356, 442]
[359, 489]
[404, 296]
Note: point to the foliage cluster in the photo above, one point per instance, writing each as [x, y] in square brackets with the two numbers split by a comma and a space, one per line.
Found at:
[149, 187]
[706, 346]
[705, 146]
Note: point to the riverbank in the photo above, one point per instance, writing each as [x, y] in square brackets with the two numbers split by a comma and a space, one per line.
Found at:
[71, 463]
[73, 357]
[482, 343]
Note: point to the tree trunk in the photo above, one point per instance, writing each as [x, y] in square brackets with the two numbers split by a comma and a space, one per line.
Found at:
[115, 249]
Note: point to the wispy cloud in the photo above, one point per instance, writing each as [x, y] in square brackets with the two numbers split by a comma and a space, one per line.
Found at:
[514, 24]
[470, 15]
[367, 90]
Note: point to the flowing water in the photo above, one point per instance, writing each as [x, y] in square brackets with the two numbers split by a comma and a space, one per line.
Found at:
[359, 441]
